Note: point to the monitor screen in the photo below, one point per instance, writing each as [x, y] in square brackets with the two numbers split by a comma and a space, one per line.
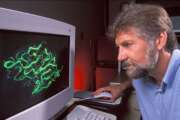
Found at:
[33, 68]
[36, 65]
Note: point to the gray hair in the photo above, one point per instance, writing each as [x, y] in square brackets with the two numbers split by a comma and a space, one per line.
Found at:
[149, 20]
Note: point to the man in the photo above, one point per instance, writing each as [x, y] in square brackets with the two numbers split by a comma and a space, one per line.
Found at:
[146, 42]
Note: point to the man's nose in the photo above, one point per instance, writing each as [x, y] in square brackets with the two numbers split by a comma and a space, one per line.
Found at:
[122, 55]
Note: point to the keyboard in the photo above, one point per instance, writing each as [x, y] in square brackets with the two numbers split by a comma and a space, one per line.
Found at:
[81, 112]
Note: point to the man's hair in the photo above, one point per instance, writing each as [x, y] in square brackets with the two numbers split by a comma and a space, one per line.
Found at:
[149, 20]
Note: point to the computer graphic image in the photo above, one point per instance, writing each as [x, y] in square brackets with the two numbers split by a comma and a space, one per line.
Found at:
[33, 67]
[36, 65]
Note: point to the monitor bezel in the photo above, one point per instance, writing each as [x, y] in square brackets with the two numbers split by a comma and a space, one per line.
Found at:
[26, 22]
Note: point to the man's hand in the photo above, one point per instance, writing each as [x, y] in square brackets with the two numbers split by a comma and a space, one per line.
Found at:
[115, 90]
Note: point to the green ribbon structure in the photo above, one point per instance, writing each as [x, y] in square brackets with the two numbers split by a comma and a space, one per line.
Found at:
[36, 64]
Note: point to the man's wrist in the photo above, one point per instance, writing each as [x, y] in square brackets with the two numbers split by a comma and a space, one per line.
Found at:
[125, 85]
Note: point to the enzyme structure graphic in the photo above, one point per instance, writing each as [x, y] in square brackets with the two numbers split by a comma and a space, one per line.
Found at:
[36, 65]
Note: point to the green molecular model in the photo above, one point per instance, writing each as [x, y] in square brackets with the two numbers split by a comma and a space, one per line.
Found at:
[36, 64]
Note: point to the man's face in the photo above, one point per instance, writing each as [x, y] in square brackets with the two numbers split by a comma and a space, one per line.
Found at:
[137, 57]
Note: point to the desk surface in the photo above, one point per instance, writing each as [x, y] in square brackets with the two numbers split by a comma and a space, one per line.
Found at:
[118, 109]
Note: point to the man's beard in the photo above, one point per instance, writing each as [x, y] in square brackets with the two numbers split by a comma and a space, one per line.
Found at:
[135, 71]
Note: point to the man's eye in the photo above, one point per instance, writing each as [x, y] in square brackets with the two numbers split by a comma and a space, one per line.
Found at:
[127, 44]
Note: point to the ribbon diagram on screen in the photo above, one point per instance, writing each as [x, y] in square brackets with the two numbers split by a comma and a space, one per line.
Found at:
[36, 64]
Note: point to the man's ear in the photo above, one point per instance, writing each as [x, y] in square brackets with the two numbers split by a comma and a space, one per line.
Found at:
[161, 40]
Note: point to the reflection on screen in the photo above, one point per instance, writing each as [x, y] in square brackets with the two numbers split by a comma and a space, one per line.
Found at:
[33, 68]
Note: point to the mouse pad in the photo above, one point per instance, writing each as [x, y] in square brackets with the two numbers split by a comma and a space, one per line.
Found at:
[83, 94]
[87, 95]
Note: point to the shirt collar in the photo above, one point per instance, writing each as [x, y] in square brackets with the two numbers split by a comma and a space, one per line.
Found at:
[168, 78]
[171, 70]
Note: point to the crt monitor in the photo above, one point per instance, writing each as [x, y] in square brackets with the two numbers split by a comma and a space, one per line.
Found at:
[36, 65]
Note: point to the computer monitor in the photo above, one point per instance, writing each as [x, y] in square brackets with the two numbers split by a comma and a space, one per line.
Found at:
[36, 65]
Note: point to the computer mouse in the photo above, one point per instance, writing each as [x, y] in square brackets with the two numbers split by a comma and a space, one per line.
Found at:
[103, 95]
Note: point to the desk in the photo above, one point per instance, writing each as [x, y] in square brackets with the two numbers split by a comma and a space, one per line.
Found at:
[118, 110]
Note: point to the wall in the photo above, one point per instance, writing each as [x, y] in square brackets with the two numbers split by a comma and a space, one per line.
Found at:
[114, 8]
[106, 70]
[86, 15]
[106, 50]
